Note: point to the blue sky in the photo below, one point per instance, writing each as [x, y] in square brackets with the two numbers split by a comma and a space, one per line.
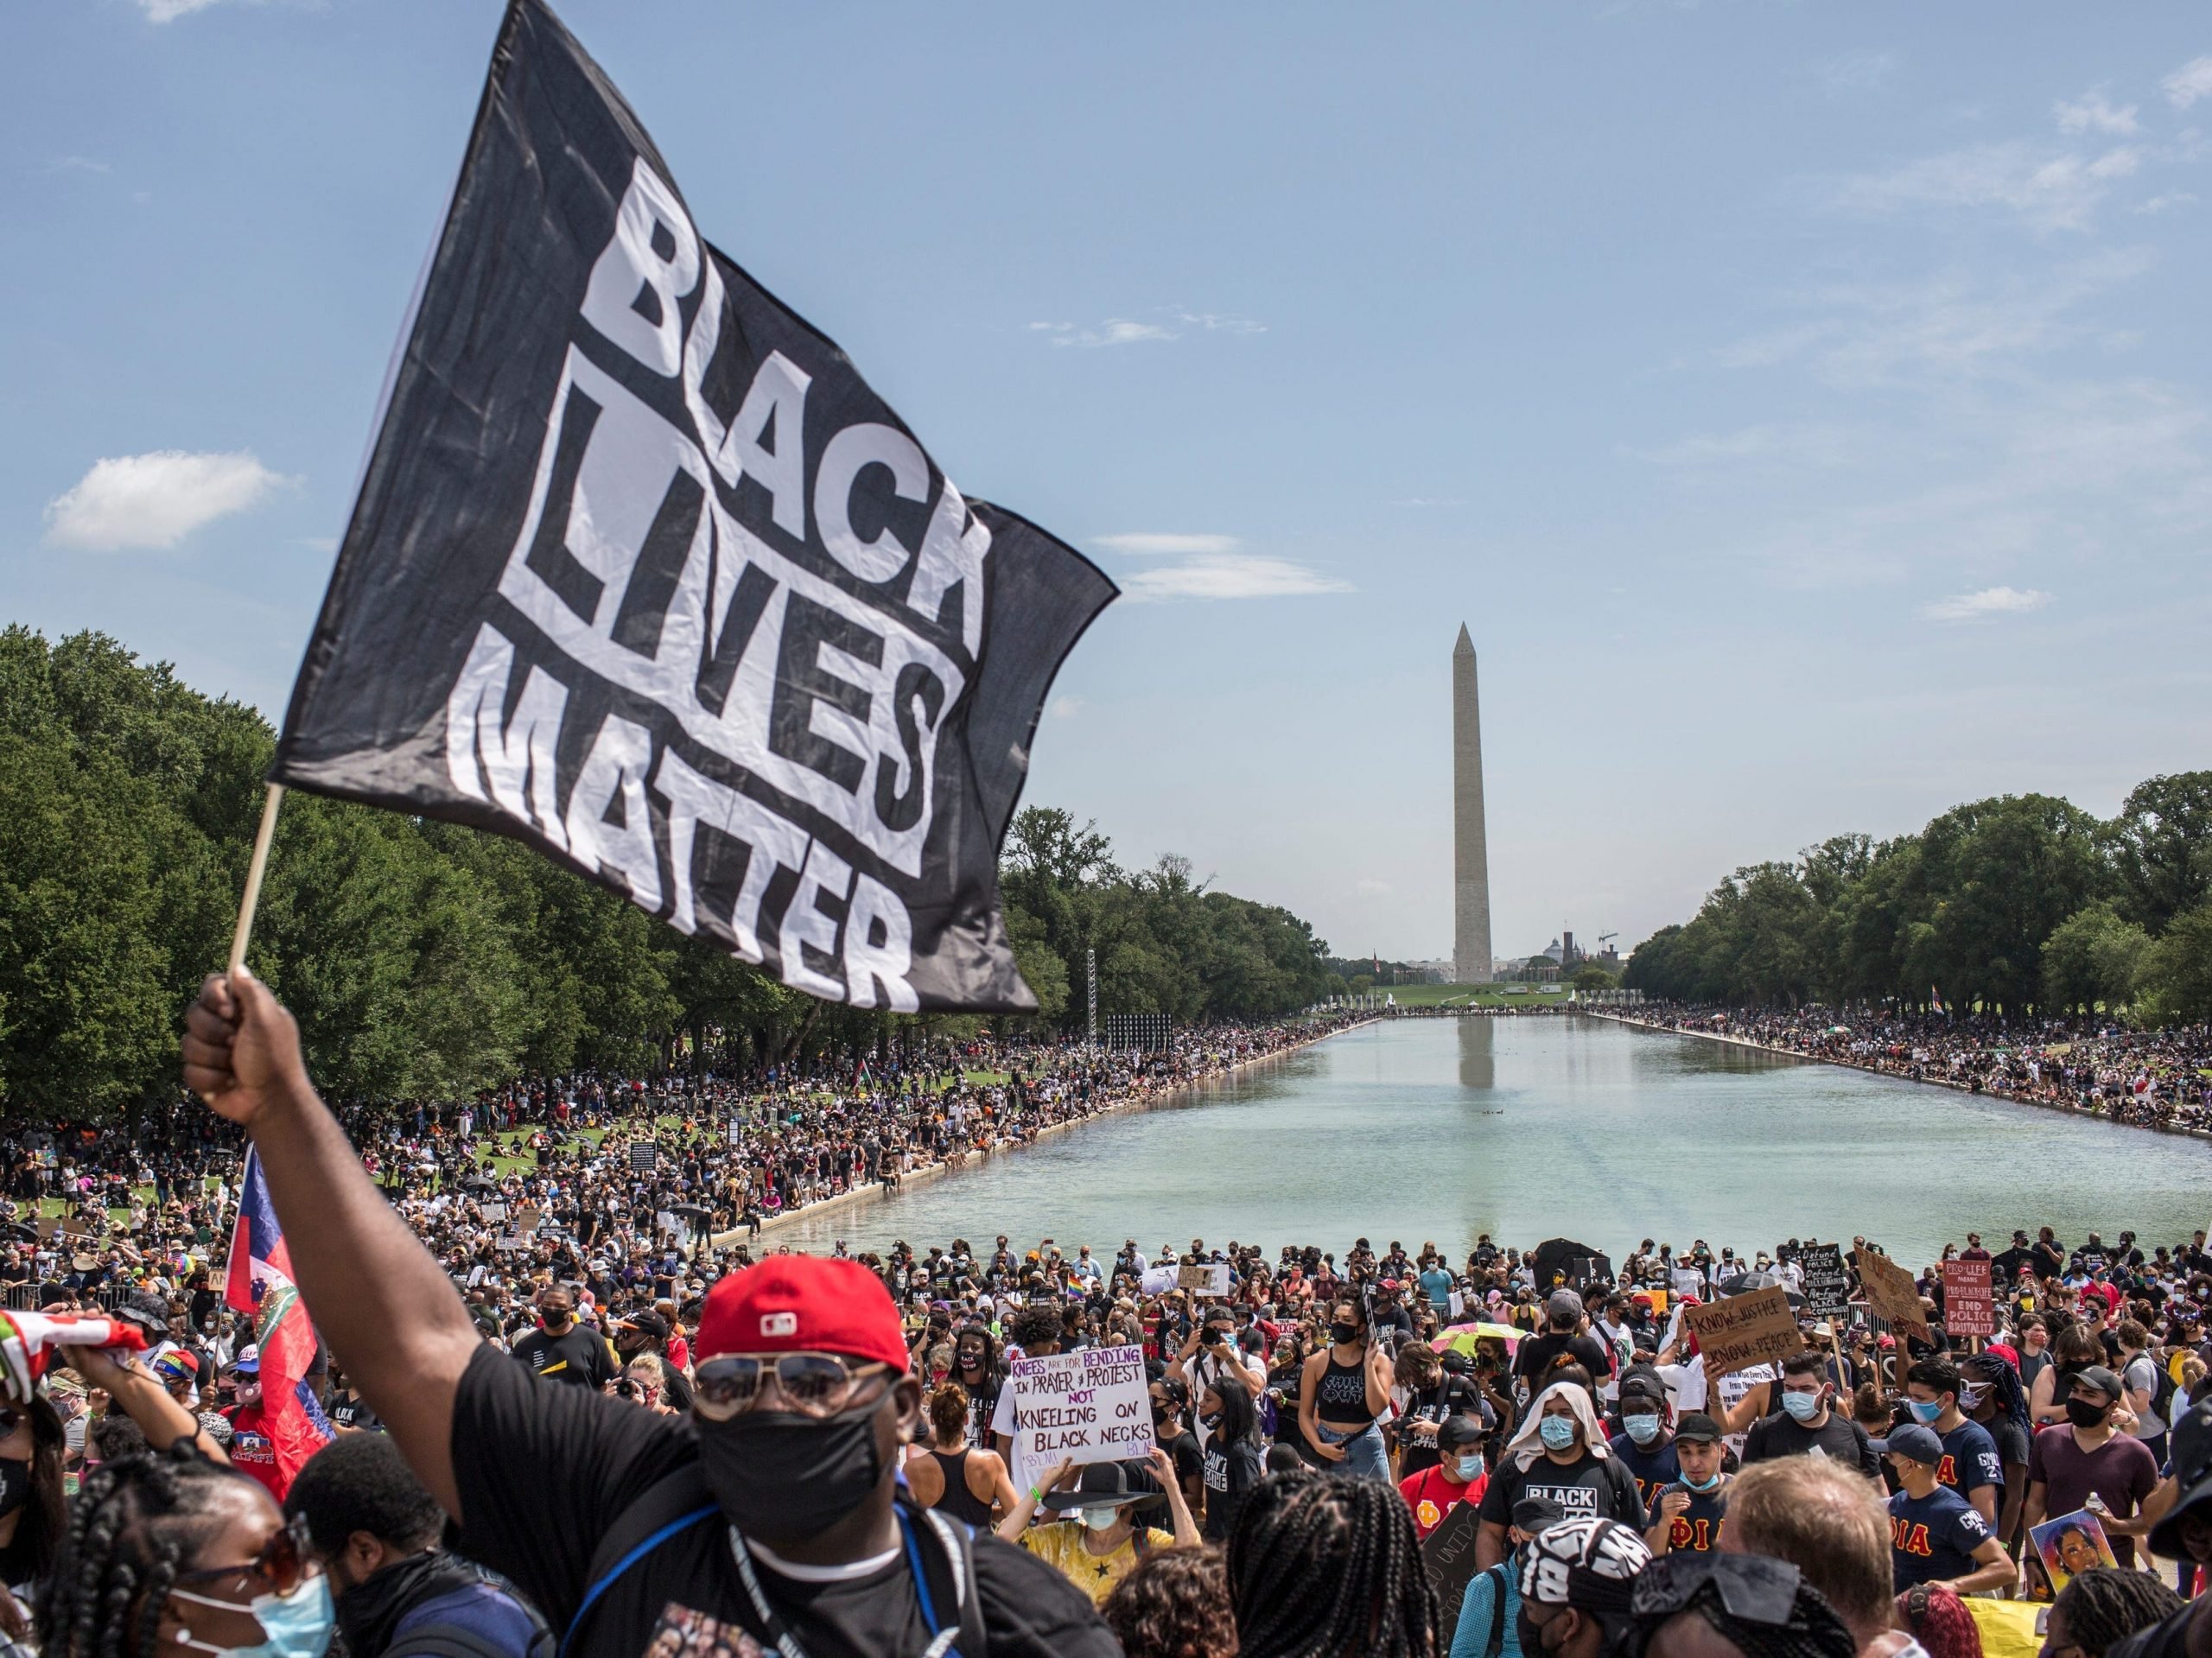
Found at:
[1804, 407]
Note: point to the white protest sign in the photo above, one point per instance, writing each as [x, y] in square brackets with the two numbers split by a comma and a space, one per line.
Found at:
[1091, 1406]
[1204, 1278]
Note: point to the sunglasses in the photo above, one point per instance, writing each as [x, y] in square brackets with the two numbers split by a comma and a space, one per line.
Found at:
[283, 1563]
[812, 1384]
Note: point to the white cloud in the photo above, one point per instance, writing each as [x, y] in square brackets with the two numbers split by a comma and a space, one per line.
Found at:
[2048, 190]
[2091, 113]
[1982, 606]
[1371, 887]
[1214, 322]
[1807, 445]
[1857, 71]
[1228, 575]
[168, 11]
[2166, 203]
[1114, 330]
[157, 499]
[2189, 83]
[1066, 708]
[1151, 545]
[1429, 500]
[77, 164]
[320, 543]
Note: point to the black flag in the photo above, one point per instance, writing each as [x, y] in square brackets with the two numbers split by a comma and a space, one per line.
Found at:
[643, 572]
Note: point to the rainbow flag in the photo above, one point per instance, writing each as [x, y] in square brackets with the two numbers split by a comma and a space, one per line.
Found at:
[260, 1282]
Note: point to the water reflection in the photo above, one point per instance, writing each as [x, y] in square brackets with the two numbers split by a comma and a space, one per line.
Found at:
[1478, 1053]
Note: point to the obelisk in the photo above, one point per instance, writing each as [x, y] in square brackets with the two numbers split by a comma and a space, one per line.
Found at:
[1471, 957]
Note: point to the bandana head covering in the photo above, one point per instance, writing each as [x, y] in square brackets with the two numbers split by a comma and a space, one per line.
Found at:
[1587, 1563]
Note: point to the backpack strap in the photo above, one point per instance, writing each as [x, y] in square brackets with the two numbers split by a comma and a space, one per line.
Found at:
[675, 1503]
[958, 1541]
[1495, 1644]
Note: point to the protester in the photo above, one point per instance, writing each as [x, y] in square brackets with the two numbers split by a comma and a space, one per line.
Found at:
[1321, 1565]
[1345, 1389]
[1645, 1445]
[377, 1535]
[1559, 1453]
[1831, 1524]
[1935, 1534]
[1807, 1422]
[1174, 1604]
[1235, 1451]
[2089, 1455]
[1489, 1614]
[1101, 1540]
[1460, 1477]
[2100, 1608]
[948, 1474]
[1970, 1464]
[1687, 1517]
[1714, 1605]
[2184, 1533]
[1578, 1584]
[1940, 1620]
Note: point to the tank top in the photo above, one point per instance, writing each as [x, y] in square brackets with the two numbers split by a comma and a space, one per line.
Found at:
[958, 1502]
[1342, 1399]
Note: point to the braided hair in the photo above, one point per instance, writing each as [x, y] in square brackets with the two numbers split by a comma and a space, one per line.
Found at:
[2104, 1606]
[137, 1521]
[1320, 1565]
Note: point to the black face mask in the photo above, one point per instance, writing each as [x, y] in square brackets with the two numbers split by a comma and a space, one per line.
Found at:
[1531, 1634]
[15, 1485]
[2083, 1415]
[1343, 1335]
[778, 1474]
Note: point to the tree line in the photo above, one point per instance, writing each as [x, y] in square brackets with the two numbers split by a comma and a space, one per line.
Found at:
[426, 960]
[2020, 905]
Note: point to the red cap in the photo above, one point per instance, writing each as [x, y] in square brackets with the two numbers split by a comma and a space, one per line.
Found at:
[802, 1303]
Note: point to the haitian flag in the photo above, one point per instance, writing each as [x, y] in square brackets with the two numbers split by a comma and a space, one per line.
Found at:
[644, 573]
[260, 1282]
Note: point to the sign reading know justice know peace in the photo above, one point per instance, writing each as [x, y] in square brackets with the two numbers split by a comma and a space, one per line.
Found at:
[644, 573]
[1090, 1405]
[1743, 1330]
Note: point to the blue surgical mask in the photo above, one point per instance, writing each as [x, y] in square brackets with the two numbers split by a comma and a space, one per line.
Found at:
[1703, 1486]
[1557, 1432]
[1643, 1429]
[297, 1626]
[1801, 1406]
[1924, 1411]
[1465, 1469]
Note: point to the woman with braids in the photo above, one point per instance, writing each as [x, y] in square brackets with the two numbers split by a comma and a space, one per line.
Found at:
[1323, 1567]
[2102, 1607]
[31, 1512]
[168, 1553]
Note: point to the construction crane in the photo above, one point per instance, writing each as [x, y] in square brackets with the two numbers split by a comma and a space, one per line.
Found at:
[1604, 937]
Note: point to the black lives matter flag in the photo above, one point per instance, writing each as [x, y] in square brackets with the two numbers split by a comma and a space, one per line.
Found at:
[643, 572]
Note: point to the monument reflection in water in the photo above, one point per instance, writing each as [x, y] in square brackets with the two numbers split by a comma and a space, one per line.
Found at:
[1439, 1128]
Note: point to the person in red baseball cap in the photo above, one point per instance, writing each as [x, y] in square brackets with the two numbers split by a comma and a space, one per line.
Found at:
[772, 1514]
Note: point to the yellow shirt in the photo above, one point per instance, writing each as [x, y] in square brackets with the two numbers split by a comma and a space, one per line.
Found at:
[1061, 1542]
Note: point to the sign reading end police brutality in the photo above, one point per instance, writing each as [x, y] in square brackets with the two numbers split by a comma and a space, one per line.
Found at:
[1091, 1404]
[644, 573]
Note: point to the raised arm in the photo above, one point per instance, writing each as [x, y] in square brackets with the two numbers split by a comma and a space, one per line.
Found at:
[387, 1309]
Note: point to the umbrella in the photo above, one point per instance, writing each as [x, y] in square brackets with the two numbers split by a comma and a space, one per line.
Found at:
[1461, 1338]
[1745, 1283]
[1559, 1255]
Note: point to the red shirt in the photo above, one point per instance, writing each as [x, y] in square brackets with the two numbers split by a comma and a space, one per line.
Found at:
[252, 1451]
[1432, 1494]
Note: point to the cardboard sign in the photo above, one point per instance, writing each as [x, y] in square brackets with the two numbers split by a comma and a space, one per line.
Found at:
[494, 1212]
[1203, 1279]
[1091, 1404]
[1828, 1284]
[645, 1156]
[1969, 1304]
[1890, 1291]
[526, 1220]
[1447, 1554]
[49, 1227]
[1744, 1331]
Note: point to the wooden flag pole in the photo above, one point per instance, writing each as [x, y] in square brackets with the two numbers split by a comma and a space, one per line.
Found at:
[254, 870]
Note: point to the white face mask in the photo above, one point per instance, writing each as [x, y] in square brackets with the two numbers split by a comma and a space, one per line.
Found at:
[1100, 1519]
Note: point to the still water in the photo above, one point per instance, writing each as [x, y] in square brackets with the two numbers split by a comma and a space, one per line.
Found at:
[1528, 1128]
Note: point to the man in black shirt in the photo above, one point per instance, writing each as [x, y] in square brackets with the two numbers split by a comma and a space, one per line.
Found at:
[1538, 1356]
[560, 1349]
[770, 1516]
[1808, 1424]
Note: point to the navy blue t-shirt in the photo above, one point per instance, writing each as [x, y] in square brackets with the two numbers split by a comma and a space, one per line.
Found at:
[1970, 1461]
[1653, 1468]
[1933, 1538]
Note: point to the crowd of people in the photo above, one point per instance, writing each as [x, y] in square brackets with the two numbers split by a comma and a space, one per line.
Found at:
[2150, 1078]
[607, 1444]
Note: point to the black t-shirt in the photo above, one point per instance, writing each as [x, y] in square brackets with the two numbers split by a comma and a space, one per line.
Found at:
[1534, 1358]
[576, 1355]
[1589, 1485]
[545, 1472]
[1839, 1439]
[1231, 1471]
[350, 1410]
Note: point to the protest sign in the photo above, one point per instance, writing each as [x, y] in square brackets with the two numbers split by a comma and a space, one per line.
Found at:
[1743, 1330]
[2070, 1545]
[1447, 1554]
[49, 1227]
[1827, 1284]
[1203, 1279]
[1969, 1308]
[1890, 1291]
[1091, 1406]
[644, 573]
[645, 1156]
[494, 1212]
[527, 1219]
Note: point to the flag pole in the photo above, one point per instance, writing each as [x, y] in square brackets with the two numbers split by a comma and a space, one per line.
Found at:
[254, 870]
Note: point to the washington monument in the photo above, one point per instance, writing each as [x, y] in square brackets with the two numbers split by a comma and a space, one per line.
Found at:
[1470, 958]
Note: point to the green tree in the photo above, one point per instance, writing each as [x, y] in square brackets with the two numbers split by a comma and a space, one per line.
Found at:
[1591, 976]
[2162, 848]
[2092, 959]
[2178, 971]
